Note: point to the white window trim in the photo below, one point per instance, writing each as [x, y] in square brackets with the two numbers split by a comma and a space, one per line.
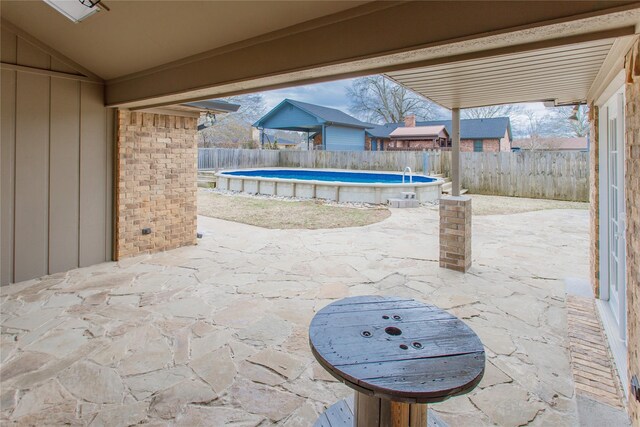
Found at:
[617, 345]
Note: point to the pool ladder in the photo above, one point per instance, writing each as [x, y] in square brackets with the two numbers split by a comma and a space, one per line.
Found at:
[410, 174]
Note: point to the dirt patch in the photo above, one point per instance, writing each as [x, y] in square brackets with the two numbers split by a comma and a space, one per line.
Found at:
[278, 214]
[497, 205]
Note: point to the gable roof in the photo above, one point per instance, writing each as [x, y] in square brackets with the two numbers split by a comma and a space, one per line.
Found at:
[325, 115]
[493, 128]
[419, 132]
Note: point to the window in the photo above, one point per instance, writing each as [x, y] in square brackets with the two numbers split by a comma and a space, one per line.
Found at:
[477, 146]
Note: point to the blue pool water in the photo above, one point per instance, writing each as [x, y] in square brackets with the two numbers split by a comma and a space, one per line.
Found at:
[332, 176]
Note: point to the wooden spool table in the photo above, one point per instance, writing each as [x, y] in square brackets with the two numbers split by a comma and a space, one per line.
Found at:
[397, 354]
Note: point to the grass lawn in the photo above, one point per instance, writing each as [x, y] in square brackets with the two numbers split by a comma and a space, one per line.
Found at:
[315, 214]
[280, 214]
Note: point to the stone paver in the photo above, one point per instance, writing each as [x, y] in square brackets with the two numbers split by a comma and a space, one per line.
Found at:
[217, 333]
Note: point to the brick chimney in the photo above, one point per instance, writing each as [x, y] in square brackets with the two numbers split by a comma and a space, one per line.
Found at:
[410, 121]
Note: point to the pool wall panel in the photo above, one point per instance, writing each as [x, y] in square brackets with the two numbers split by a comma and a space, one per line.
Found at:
[251, 186]
[222, 183]
[285, 189]
[305, 191]
[327, 192]
[236, 185]
[358, 194]
[267, 187]
[335, 191]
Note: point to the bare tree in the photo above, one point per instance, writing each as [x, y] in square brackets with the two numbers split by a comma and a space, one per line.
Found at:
[506, 110]
[563, 126]
[377, 99]
[234, 129]
[533, 127]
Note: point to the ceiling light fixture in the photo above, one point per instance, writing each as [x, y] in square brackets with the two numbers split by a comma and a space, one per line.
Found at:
[75, 10]
[89, 3]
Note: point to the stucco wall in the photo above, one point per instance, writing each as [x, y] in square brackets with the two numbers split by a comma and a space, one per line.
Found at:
[632, 196]
[157, 177]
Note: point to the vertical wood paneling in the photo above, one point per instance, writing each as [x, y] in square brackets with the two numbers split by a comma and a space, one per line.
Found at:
[8, 46]
[32, 164]
[57, 137]
[30, 56]
[62, 67]
[7, 170]
[93, 176]
[64, 175]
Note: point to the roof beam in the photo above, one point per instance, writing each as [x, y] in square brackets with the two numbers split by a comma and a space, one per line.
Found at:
[281, 59]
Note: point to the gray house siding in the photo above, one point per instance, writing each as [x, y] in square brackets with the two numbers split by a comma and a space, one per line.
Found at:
[344, 139]
[289, 115]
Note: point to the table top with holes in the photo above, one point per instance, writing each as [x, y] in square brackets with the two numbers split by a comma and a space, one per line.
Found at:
[397, 348]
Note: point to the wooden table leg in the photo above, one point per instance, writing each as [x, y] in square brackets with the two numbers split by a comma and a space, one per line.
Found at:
[372, 411]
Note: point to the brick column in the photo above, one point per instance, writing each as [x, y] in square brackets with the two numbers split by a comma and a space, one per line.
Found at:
[594, 198]
[455, 233]
[632, 197]
[156, 189]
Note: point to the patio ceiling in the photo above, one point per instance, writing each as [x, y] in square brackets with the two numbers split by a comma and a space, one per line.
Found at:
[136, 35]
[562, 74]
[159, 53]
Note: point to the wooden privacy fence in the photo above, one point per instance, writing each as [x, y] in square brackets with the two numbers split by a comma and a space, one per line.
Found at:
[223, 158]
[364, 160]
[536, 174]
[231, 158]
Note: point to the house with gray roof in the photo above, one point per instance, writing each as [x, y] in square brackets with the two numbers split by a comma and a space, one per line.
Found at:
[332, 129]
[478, 135]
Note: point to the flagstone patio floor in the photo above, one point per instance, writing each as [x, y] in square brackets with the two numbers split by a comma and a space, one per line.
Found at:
[216, 334]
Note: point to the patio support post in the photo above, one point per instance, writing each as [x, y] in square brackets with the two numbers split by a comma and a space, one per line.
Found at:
[455, 152]
[455, 212]
[324, 138]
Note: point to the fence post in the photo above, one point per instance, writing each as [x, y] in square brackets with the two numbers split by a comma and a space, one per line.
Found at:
[425, 163]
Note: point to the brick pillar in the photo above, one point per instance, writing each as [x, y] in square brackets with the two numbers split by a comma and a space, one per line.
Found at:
[410, 121]
[632, 197]
[455, 233]
[594, 199]
[156, 169]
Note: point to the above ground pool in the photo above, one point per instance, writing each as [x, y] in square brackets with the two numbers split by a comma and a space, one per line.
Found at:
[331, 184]
[332, 176]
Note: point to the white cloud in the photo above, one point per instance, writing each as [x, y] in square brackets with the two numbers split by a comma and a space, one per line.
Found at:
[329, 94]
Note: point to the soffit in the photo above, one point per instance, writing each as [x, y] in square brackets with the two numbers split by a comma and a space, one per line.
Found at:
[561, 73]
[146, 34]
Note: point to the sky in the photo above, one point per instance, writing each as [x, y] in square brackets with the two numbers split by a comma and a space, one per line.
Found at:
[334, 94]
[329, 94]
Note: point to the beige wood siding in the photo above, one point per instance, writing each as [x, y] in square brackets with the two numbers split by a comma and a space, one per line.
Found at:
[56, 161]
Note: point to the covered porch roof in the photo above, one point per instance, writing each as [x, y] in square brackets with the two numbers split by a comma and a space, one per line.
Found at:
[211, 55]
[559, 75]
